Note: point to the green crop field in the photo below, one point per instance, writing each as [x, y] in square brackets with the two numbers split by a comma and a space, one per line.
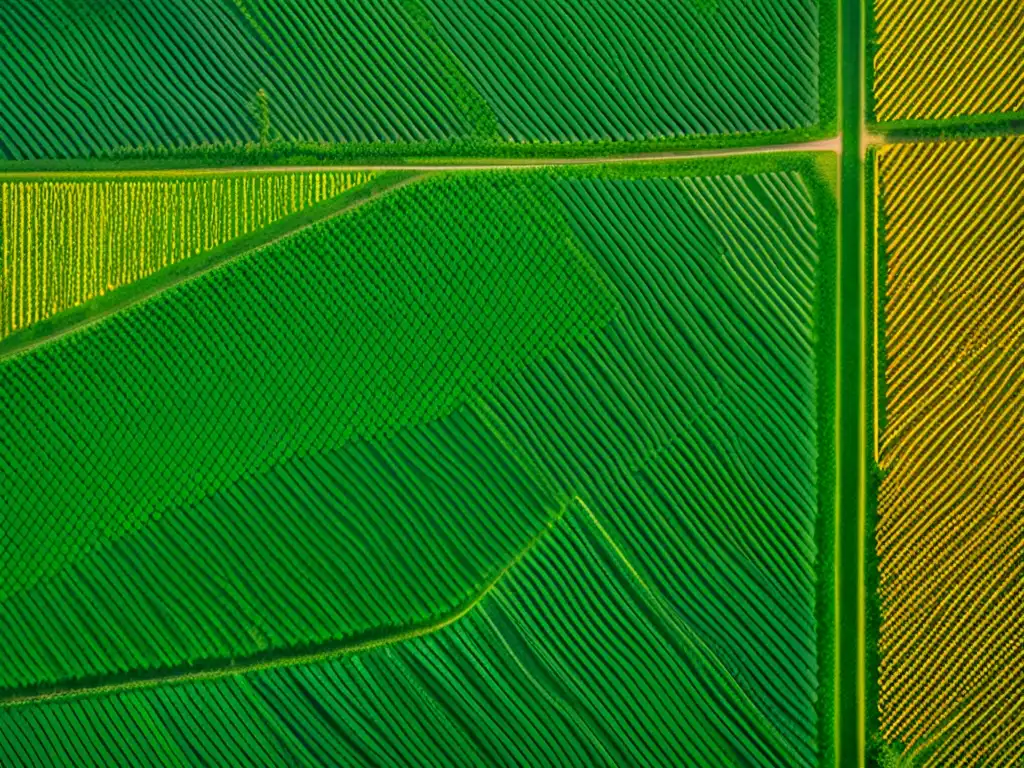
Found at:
[528, 383]
[540, 672]
[434, 75]
[423, 410]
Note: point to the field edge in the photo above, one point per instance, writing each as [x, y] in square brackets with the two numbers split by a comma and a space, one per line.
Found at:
[100, 307]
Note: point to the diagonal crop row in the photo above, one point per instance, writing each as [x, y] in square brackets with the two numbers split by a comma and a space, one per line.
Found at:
[63, 243]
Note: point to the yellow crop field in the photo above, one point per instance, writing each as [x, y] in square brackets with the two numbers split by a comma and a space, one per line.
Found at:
[950, 536]
[939, 59]
[64, 243]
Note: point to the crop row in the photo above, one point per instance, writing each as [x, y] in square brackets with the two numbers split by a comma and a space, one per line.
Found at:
[950, 533]
[657, 68]
[335, 546]
[64, 243]
[89, 80]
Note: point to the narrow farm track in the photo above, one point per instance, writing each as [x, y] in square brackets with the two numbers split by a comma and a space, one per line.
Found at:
[850, 521]
[832, 144]
[157, 286]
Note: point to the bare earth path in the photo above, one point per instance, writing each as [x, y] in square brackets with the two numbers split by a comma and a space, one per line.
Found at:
[821, 145]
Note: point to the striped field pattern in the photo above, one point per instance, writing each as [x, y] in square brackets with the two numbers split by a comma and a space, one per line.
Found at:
[343, 545]
[570, 660]
[506, 467]
[941, 59]
[87, 78]
[371, 321]
[64, 243]
[950, 535]
[586, 69]
[689, 423]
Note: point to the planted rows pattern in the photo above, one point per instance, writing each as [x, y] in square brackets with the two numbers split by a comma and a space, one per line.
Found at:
[689, 423]
[346, 545]
[93, 79]
[570, 658]
[942, 59]
[582, 71]
[950, 532]
[388, 316]
[157, 74]
[348, 437]
[67, 242]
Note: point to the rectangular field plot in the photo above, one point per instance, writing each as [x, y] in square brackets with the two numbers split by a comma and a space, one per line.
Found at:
[373, 77]
[63, 243]
[937, 60]
[503, 467]
[950, 531]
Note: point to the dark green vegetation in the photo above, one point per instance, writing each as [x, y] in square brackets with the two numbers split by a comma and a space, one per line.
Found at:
[639, 359]
[850, 549]
[88, 79]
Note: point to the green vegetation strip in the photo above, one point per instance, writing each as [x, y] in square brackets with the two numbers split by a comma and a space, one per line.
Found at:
[851, 350]
[411, 77]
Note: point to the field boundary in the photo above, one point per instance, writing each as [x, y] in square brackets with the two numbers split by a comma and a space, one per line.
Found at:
[403, 155]
[139, 291]
[851, 398]
[875, 246]
[104, 169]
[279, 658]
[826, 533]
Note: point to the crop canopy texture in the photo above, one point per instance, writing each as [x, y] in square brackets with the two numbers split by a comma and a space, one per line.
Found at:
[86, 79]
[514, 463]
